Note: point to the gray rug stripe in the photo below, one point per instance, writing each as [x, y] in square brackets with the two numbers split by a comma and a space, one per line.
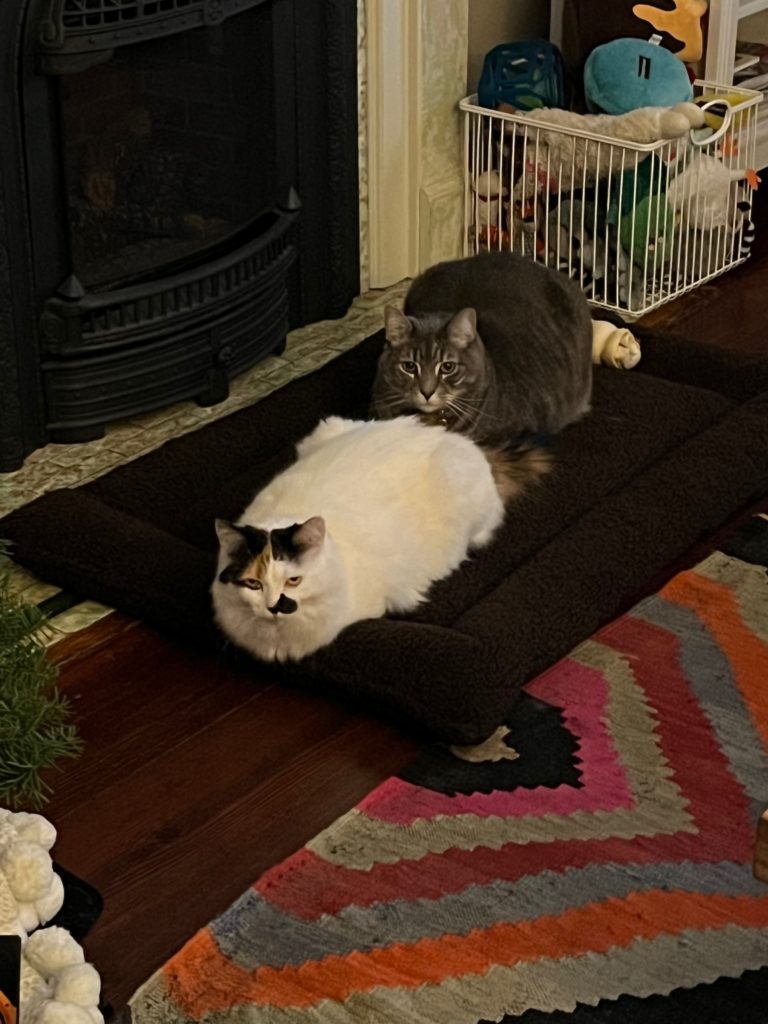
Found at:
[357, 841]
[253, 932]
[710, 678]
[645, 968]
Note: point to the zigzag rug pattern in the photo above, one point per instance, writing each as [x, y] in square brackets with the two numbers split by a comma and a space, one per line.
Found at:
[623, 877]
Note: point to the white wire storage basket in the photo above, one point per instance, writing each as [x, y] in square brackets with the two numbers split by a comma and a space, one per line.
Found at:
[634, 224]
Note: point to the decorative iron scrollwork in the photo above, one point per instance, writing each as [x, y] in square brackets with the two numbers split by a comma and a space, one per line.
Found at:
[75, 34]
[213, 12]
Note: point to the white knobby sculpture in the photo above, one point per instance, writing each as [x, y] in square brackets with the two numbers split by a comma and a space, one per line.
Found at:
[57, 986]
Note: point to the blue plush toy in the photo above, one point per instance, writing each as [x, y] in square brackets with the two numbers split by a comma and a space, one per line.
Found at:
[629, 73]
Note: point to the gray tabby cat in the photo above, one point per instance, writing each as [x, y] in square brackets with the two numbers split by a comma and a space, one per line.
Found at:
[494, 346]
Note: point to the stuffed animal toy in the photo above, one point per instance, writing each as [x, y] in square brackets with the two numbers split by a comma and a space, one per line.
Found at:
[647, 234]
[697, 252]
[557, 151]
[526, 218]
[745, 231]
[489, 192]
[683, 23]
[614, 346]
[57, 986]
[528, 73]
[704, 192]
[577, 244]
[714, 107]
[645, 219]
[629, 73]
[534, 181]
[590, 254]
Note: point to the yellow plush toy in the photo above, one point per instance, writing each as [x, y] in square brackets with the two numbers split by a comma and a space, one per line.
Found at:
[683, 23]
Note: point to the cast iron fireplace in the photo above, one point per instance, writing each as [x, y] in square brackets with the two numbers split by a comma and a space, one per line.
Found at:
[178, 186]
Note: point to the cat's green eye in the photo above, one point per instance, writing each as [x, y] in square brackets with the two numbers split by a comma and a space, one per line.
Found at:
[293, 581]
[447, 366]
[408, 366]
[252, 584]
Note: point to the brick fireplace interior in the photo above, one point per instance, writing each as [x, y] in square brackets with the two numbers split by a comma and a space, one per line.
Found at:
[178, 187]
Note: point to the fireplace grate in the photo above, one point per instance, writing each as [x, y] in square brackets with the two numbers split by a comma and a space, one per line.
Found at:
[81, 14]
[76, 34]
[112, 355]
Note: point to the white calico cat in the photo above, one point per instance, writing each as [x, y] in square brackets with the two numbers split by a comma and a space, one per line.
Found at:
[366, 519]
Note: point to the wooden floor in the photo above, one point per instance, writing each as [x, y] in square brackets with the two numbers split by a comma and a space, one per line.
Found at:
[195, 778]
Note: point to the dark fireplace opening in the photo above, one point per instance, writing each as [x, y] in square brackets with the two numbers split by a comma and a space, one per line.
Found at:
[178, 187]
[169, 147]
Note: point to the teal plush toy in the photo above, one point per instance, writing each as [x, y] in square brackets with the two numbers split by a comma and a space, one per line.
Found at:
[629, 73]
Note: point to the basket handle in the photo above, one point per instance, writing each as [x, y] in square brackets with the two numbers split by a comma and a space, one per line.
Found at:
[727, 118]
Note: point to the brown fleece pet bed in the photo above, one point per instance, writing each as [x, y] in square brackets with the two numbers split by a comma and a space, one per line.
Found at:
[670, 451]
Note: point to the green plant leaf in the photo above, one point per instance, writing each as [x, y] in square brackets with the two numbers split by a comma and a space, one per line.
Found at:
[35, 719]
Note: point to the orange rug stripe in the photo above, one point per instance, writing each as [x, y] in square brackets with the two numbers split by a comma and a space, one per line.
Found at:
[593, 928]
[718, 609]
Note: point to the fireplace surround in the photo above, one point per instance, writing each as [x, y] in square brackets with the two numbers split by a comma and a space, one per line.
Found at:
[178, 185]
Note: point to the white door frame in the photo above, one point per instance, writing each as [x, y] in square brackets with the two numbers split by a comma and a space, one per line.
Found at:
[416, 73]
[394, 138]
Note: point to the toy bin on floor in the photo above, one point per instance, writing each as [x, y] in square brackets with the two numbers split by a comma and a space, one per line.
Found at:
[634, 224]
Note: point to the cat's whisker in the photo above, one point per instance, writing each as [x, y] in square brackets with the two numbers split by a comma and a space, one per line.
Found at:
[386, 404]
[475, 409]
[472, 409]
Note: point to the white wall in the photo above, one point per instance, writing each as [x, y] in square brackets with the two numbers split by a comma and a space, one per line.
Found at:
[501, 21]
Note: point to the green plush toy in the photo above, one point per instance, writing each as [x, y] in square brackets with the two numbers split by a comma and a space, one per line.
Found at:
[645, 218]
[653, 225]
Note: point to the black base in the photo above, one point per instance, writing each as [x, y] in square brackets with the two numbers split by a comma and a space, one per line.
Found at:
[78, 435]
[82, 905]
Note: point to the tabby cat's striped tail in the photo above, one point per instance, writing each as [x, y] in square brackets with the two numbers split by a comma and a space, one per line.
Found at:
[515, 471]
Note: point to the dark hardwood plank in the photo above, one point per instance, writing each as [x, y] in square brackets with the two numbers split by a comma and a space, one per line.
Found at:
[730, 310]
[85, 641]
[734, 317]
[156, 694]
[174, 878]
[194, 780]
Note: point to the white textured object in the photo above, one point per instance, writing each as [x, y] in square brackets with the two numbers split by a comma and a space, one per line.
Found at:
[73, 986]
[705, 189]
[30, 891]
[57, 986]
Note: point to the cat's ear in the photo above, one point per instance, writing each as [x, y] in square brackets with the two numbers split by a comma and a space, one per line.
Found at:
[462, 328]
[310, 535]
[398, 328]
[229, 536]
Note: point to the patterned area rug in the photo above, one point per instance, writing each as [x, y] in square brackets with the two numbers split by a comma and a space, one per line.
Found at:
[602, 874]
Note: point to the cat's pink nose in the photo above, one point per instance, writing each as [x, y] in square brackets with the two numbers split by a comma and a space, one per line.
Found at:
[427, 394]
